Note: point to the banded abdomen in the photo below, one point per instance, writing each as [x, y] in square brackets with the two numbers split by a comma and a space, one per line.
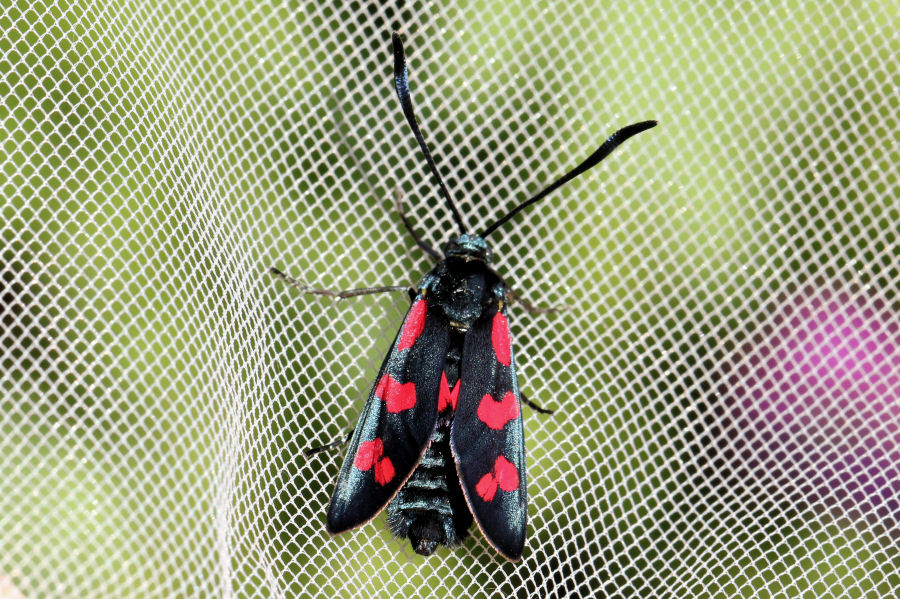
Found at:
[430, 508]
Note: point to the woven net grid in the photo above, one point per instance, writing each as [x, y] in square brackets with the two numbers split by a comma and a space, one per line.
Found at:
[726, 384]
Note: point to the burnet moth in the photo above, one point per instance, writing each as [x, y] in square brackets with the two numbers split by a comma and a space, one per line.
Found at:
[440, 440]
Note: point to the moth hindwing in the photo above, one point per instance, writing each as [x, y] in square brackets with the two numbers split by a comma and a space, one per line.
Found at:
[439, 441]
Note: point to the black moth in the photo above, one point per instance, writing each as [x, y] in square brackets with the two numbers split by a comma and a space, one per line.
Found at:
[440, 437]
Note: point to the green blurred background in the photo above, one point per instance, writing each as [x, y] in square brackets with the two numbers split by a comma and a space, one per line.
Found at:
[158, 386]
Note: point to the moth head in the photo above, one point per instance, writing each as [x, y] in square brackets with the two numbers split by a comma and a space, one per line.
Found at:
[468, 247]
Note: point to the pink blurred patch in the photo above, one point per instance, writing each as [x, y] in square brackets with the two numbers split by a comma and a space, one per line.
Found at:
[816, 401]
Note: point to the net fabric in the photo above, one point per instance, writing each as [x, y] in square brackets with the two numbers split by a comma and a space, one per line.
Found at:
[727, 382]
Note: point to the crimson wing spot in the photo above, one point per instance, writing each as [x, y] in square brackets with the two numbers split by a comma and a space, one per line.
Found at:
[384, 471]
[495, 414]
[396, 396]
[487, 487]
[369, 455]
[507, 474]
[415, 324]
[500, 338]
[504, 476]
[448, 398]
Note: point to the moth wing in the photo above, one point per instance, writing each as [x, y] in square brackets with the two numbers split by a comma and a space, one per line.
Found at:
[486, 435]
[397, 421]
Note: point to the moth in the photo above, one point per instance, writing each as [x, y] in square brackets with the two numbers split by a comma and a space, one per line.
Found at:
[439, 441]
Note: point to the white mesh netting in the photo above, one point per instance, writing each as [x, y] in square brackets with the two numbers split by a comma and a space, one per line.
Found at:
[727, 385]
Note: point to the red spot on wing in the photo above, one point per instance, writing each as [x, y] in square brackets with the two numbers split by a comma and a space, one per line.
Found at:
[507, 474]
[487, 487]
[495, 414]
[415, 323]
[384, 471]
[503, 476]
[448, 398]
[380, 387]
[396, 396]
[500, 338]
[369, 454]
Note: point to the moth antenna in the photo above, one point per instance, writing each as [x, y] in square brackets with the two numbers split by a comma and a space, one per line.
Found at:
[401, 82]
[614, 141]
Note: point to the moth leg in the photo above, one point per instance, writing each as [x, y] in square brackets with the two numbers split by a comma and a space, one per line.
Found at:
[338, 294]
[534, 406]
[314, 450]
[398, 202]
[530, 308]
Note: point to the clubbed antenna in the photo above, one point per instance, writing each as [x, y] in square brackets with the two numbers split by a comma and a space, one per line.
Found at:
[614, 141]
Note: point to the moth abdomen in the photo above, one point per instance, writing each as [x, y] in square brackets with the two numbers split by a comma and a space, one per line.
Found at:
[430, 509]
